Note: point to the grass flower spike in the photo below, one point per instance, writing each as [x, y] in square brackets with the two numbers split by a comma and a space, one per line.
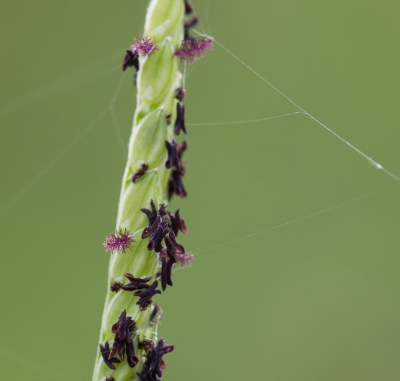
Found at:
[144, 246]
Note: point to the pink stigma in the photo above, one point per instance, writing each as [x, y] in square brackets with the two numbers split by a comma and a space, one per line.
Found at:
[185, 259]
[143, 46]
[118, 242]
[193, 48]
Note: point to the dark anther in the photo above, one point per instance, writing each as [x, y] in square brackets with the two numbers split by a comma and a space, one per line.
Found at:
[157, 236]
[158, 227]
[179, 249]
[122, 330]
[180, 94]
[110, 378]
[154, 363]
[149, 230]
[140, 173]
[170, 249]
[137, 280]
[164, 274]
[170, 263]
[173, 158]
[148, 293]
[190, 24]
[173, 155]
[130, 354]
[130, 59]
[177, 223]
[175, 185]
[115, 286]
[168, 118]
[175, 152]
[162, 222]
[105, 353]
[188, 7]
[145, 378]
[162, 210]
[151, 215]
[180, 119]
[135, 283]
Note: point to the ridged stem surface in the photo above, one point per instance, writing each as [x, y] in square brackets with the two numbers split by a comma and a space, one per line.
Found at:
[157, 80]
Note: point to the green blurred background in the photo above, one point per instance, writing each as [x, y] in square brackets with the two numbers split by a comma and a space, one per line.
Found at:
[317, 299]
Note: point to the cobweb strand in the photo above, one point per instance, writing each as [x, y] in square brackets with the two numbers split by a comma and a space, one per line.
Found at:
[369, 159]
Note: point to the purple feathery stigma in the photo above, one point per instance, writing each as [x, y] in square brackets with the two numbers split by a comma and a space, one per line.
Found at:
[193, 48]
[118, 242]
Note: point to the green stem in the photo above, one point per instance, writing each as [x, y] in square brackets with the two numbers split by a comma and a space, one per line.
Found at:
[157, 80]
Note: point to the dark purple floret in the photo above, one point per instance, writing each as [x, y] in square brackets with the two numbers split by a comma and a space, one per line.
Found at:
[175, 185]
[190, 24]
[130, 355]
[188, 7]
[146, 378]
[164, 273]
[148, 293]
[170, 263]
[193, 48]
[177, 223]
[152, 215]
[179, 249]
[149, 230]
[154, 363]
[140, 173]
[158, 235]
[122, 330]
[180, 94]
[130, 59]
[170, 248]
[105, 353]
[137, 280]
[175, 152]
[115, 286]
[180, 119]
[135, 283]
[173, 157]
[147, 344]
[145, 305]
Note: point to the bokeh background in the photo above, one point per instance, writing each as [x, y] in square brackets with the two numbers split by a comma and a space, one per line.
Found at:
[316, 299]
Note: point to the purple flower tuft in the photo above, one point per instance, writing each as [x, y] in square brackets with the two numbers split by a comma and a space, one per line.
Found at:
[185, 258]
[143, 46]
[193, 48]
[119, 242]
